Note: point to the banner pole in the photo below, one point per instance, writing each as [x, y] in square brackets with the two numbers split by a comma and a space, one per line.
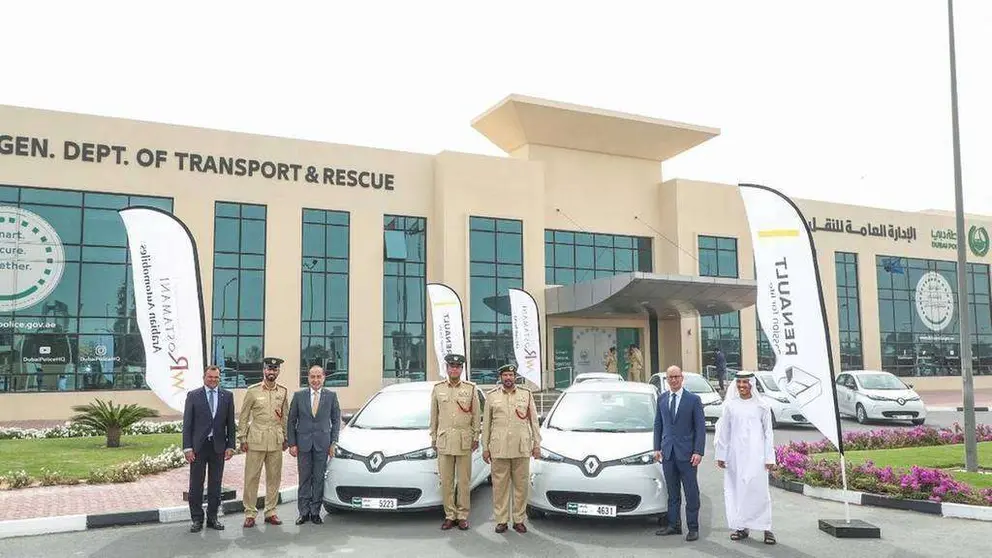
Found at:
[843, 476]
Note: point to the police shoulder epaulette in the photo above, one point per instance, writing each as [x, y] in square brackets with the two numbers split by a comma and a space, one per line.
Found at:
[255, 385]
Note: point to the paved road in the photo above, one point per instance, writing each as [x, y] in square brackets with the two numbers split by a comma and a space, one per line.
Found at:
[904, 534]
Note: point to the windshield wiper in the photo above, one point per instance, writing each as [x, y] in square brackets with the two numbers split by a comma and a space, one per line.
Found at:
[555, 428]
[611, 430]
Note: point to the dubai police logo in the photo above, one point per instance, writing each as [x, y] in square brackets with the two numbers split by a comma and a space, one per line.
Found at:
[31, 259]
[978, 240]
[934, 301]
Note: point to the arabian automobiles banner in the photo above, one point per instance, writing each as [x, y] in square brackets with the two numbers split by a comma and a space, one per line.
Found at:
[790, 306]
[167, 297]
[526, 335]
[449, 327]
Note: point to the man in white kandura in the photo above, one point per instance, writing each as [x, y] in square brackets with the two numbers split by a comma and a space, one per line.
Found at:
[745, 451]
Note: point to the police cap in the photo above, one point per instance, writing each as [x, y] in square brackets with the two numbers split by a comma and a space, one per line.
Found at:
[272, 362]
[455, 359]
[508, 367]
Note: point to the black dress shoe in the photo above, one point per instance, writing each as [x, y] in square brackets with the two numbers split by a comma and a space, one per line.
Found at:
[196, 527]
[302, 519]
[316, 519]
[669, 531]
[215, 525]
[692, 536]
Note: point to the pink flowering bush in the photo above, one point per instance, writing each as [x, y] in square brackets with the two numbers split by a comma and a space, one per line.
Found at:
[795, 462]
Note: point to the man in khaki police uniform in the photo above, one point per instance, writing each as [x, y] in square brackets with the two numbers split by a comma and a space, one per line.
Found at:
[262, 427]
[635, 364]
[510, 436]
[455, 424]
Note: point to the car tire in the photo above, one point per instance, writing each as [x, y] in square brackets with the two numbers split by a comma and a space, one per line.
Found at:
[775, 423]
[489, 480]
[860, 414]
[330, 509]
[919, 422]
[534, 513]
[663, 520]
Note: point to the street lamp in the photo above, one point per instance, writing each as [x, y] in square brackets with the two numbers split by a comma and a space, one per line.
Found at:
[968, 385]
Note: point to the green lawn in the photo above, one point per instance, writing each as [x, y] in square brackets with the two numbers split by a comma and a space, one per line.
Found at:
[76, 457]
[933, 457]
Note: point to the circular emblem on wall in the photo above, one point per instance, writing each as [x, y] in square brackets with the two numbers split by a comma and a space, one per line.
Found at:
[934, 301]
[31, 259]
[978, 240]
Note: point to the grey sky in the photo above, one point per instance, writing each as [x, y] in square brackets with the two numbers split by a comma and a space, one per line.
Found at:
[840, 100]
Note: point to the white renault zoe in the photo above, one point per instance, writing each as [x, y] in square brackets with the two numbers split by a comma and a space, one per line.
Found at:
[597, 454]
[384, 460]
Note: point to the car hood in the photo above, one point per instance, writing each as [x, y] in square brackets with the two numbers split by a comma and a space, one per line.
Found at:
[891, 393]
[390, 442]
[604, 445]
[711, 397]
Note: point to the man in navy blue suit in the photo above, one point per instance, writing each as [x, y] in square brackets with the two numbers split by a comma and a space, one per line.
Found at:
[209, 434]
[679, 442]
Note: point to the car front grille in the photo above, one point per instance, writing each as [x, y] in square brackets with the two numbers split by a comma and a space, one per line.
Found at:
[404, 496]
[890, 414]
[623, 502]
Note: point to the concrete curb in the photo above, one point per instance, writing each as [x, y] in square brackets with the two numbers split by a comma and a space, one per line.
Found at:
[944, 509]
[978, 409]
[70, 523]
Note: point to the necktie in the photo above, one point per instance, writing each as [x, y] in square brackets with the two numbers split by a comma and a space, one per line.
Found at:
[671, 404]
[213, 405]
[316, 401]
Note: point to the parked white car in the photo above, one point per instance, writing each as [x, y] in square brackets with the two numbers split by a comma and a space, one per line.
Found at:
[696, 383]
[598, 377]
[597, 454]
[870, 395]
[384, 460]
[783, 410]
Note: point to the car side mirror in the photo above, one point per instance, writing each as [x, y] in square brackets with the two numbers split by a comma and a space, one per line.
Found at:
[346, 417]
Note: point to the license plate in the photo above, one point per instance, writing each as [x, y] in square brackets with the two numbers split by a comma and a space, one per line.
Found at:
[374, 503]
[592, 509]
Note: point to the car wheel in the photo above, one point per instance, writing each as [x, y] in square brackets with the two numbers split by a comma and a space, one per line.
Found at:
[534, 513]
[330, 509]
[919, 422]
[775, 423]
[663, 520]
[862, 416]
[489, 480]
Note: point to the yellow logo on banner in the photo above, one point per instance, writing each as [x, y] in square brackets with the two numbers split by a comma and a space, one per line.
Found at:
[778, 233]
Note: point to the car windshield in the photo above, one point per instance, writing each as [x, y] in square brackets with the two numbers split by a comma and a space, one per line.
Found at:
[768, 382]
[691, 382]
[880, 381]
[398, 410]
[605, 411]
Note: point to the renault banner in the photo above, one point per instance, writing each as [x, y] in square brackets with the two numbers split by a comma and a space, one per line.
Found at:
[449, 327]
[168, 300]
[790, 306]
[526, 335]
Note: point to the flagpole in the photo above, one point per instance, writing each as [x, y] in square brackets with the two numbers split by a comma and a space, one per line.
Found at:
[843, 476]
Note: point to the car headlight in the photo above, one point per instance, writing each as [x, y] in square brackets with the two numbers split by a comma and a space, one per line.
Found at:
[913, 398]
[877, 398]
[780, 398]
[548, 455]
[341, 453]
[426, 453]
[645, 458]
[717, 402]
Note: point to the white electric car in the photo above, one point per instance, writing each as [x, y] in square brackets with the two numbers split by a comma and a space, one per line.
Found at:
[870, 395]
[696, 383]
[783, 410]
[384, 460]
[597, 454]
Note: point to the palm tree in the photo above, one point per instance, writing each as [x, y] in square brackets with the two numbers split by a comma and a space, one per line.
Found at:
[110, 419]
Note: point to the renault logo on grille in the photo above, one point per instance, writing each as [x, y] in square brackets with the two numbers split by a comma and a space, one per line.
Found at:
[901, 401]
[591, 465]
[375, 461]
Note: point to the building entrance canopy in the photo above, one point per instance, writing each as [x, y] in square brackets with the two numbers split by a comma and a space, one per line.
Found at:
[636, 293]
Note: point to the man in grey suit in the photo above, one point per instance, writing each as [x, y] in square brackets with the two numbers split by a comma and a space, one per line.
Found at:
[312, 433]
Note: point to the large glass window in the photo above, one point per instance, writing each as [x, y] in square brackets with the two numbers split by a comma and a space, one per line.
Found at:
[404, 298]
[67, 315]
[718, 258]
[766, 355]
[324, 305]
[573, 257]
[918, 316]
[239, 292]
[496, 256]
[848, 311]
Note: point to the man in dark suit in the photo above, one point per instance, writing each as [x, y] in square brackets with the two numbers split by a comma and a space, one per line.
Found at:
[312, 432]
[679, 442]
[209, 434]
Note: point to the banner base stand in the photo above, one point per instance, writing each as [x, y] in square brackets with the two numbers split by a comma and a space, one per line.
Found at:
[854, 529]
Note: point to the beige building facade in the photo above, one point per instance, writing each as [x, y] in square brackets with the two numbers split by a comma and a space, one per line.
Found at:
[320, 253]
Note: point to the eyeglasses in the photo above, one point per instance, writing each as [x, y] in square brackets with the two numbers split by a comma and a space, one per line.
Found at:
[671, 378]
